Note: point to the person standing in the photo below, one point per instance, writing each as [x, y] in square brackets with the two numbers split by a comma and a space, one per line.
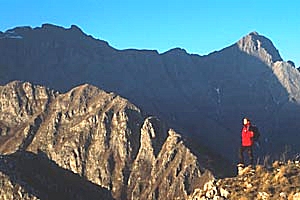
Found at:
[247, 136]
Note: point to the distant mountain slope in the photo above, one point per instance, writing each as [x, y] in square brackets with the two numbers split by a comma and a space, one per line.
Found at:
[204, 97]
[99, 136]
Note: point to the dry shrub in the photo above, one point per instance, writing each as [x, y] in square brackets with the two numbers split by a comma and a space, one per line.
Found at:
[259, 169]
[282, 179]
[244, 198]
[276, 164]
[279, 177]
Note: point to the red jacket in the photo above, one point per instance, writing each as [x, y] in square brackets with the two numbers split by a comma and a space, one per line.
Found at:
[247, 136]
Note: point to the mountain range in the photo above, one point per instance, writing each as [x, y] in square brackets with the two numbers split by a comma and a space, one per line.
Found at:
[202, 97]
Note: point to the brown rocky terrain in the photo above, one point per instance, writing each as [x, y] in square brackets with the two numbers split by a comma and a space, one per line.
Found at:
[92, 138]
[275, 182]
[279, 181]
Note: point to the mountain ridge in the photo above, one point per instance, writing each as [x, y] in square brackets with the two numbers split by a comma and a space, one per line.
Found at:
[195, 94]
[251, 38]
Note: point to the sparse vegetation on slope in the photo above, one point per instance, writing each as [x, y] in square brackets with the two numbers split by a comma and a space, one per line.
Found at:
[281, 181]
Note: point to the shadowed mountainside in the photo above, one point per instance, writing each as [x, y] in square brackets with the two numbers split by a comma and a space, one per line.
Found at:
[204, 97]
[25, 175]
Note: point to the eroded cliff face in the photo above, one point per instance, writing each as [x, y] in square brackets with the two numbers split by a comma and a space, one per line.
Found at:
[101, 137]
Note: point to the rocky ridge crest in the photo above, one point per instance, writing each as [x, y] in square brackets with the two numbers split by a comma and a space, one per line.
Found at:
[260, 47]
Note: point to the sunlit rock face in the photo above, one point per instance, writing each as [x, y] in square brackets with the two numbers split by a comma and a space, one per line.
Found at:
[260, 47]
[99, 136]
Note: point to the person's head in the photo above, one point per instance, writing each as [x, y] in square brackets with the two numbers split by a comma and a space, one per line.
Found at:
[246, 121]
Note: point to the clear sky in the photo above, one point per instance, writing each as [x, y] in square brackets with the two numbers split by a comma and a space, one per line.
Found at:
[198, 26]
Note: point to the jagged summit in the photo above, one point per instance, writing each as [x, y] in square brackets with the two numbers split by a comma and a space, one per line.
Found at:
[50, 32]
[52, 27]
[253, 33]
[175, 51]
[259, 46]
[253, 43]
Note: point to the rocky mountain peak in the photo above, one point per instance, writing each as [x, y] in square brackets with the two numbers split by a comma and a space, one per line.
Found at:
[260, 47]
[176, 51]
[253, 33]
[53, 33]
[53, 28]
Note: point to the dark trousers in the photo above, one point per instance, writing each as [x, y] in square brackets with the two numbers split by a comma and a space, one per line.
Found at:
[250, 154]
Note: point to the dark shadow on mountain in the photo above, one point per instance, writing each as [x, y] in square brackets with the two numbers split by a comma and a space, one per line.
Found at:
[248, 87]
[203, 97]
[43, 178]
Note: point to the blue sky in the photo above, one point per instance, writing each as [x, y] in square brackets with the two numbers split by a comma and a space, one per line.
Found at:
[198, 26]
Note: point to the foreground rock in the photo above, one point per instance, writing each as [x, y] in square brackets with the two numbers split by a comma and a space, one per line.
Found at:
[280, 181]
[98, 137]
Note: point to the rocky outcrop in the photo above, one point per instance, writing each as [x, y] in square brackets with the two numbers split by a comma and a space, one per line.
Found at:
[98, 136]
[260, 47]
[280, 180]
[211, 190]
